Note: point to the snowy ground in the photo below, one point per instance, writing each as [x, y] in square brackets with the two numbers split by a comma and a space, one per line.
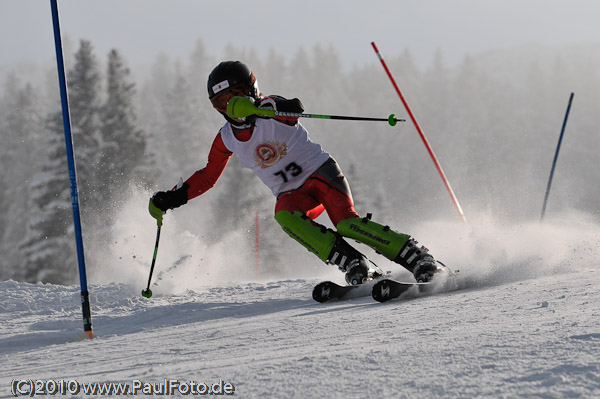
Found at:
[538, 338]
[526, 323]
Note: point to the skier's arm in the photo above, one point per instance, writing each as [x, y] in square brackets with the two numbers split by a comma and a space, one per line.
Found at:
[204, 179]
[200, 182]
[281, 104]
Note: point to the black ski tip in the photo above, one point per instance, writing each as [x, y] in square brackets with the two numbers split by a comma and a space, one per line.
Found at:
[329, 291]
[387, 289]
[381, 291]
[322, 291]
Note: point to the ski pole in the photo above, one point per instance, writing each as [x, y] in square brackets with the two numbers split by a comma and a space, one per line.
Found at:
[241, 107]
[560, 138]
[148, 292]
[423, 138]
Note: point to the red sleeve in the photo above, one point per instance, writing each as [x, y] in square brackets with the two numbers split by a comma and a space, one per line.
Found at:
[288, 120]
[204, 179]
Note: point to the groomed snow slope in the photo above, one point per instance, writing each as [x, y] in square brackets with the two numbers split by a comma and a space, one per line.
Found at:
[536, 338]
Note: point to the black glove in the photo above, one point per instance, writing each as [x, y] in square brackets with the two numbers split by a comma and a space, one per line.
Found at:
[165, 200]
[281, 104]
[294, 105]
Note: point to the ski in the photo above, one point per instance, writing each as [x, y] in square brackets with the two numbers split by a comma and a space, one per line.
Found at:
[329, 291]
[386, 289]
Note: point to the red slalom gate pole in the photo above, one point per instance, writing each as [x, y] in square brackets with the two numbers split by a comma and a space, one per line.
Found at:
[257, 245]
[425, 141]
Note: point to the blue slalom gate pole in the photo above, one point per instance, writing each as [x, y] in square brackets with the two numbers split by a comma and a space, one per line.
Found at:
[562, 132]
[85, 300]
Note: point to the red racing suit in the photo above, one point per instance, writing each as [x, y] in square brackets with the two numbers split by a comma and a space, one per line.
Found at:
[325, 189]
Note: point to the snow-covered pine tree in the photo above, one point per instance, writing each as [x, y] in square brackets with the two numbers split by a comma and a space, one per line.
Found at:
[7, 157]
[152, 119]
[22, 126]
[201, 64]
[183, 125]
[84, 85]
[123, 145]
[209, 121]
[49, 247]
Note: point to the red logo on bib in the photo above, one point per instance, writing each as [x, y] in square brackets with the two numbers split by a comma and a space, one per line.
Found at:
[267, 154]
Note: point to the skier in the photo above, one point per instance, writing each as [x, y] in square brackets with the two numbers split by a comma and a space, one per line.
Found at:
[305, 179]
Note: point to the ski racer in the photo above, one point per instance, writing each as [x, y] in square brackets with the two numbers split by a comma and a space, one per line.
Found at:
[304, 178]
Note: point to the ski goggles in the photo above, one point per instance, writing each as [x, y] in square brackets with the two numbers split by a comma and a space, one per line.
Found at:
[220, 100]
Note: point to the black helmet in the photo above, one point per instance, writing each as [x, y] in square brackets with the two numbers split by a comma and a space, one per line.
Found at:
[232, 76]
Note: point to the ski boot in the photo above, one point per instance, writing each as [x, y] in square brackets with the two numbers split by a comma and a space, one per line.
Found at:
[427, 269]
[357, 267]
[418, 261]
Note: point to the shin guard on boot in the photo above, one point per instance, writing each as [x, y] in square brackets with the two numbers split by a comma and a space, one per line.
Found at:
[330, 247]
[381, 238]
[311, 235]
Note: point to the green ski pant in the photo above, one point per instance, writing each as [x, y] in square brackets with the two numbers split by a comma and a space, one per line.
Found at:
[319, 240]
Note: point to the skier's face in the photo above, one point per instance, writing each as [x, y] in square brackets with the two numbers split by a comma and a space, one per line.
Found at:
[220, 101]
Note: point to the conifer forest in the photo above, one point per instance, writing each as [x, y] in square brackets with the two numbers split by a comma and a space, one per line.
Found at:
[493, 122]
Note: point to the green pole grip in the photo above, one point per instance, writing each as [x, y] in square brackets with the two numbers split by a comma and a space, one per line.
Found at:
[241, 107]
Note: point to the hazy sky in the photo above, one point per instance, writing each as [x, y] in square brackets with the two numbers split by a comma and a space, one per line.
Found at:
[143, 28]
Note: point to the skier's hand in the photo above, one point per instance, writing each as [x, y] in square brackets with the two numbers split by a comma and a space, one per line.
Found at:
[244, 107]
[155, 213]
[165, 200]
[281, 104]
[284, 105]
